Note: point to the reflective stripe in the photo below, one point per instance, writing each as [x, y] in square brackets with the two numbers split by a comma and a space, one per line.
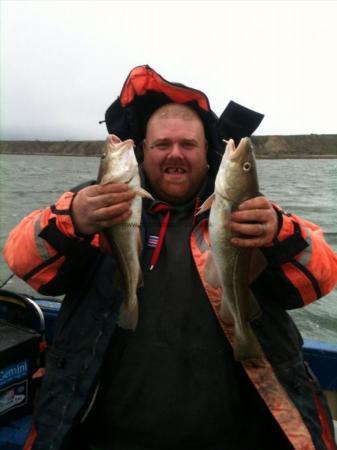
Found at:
[306, 254]
[303, 286]
[39, 242]
[303, 261]
[299, 274]
[45, 271]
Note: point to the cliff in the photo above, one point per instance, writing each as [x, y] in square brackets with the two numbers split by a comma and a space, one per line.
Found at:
[295, 146]
[65, 148]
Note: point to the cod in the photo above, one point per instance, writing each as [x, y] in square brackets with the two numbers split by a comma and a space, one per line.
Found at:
[119, 165]
[229, 266]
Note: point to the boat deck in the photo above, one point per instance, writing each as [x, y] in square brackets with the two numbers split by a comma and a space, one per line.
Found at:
[321, 357]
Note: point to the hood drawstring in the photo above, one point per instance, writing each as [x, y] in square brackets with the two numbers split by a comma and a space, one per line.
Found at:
[164, 208]
[160, 208]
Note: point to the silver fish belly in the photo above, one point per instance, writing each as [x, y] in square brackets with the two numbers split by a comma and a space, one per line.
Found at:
[236, 181]
[238, 305]
[119, 165]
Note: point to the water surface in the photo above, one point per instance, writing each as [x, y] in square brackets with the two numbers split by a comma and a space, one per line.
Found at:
[307, 187]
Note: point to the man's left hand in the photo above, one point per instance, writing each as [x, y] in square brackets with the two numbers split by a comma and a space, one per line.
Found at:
[255, 221]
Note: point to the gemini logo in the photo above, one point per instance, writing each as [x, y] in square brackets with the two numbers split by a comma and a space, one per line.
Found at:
[14, 372]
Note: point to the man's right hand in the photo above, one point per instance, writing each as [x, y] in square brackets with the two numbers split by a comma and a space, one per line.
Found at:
[101, 206]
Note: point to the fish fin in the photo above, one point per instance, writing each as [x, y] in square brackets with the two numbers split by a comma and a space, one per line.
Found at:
[113, 139]
[206, 205]
[257, 265]
[245, 304]
[143, 193]
[225, 313]
[128, 315]
[211, 272]
[246, 345]
[252, 309]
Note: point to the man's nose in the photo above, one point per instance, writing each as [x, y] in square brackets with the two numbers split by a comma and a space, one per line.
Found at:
[176, 150]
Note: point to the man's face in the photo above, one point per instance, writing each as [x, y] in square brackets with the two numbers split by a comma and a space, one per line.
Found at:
[175, 157]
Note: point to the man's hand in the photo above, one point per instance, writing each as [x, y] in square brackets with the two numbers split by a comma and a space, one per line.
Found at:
[101, 206]
[256, 223]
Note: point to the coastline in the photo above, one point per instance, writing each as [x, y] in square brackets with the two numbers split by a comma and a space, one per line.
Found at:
[310, 146]
[284, 156]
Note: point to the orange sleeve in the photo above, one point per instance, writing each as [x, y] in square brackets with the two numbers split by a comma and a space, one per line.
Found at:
[304, 257]
[39, 245]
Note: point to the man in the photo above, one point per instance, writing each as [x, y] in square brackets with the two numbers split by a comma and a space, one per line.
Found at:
[172, 383]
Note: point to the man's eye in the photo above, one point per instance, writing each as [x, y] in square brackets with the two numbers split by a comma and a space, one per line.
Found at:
[189, 145]
[162, 145]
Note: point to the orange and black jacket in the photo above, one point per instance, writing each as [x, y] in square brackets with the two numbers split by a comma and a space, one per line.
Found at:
[47, 253]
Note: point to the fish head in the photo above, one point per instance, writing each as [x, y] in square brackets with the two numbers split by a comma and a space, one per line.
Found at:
[118, 161]
[237, 180]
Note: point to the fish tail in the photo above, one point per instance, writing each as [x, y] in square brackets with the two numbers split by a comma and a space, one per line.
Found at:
[128, 315]
[246, 345]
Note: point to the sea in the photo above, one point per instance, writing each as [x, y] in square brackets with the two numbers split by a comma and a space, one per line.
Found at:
[306, 187]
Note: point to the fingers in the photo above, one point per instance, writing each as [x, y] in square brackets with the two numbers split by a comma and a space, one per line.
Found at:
[106, 200]
[107, 216]
[257, 229]
[254, 223]
[98, 190]
[115, 220]
[261, 241]
[100, 206]
[260, 202]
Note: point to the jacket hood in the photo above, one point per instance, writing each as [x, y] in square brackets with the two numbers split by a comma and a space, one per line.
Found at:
[144, 91]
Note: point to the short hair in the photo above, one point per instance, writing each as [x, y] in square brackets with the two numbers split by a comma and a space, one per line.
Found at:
[173, 111]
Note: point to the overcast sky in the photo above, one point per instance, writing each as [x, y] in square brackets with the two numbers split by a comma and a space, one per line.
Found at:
[64, 62]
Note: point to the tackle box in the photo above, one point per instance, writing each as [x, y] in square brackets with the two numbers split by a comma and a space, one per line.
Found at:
[19, 356]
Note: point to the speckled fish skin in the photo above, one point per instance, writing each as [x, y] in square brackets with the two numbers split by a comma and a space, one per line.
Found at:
[236, 182]
[119, 165]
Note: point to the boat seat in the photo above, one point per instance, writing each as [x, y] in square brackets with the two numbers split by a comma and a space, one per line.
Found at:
[19, 309]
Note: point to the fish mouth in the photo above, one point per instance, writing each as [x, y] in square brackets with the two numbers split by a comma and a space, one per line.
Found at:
[237, 152]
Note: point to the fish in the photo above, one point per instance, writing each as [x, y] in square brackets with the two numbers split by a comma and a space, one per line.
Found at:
[228, 266]
[119, 165]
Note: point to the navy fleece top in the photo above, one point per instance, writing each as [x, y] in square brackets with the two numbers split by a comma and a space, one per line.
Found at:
[173, 383]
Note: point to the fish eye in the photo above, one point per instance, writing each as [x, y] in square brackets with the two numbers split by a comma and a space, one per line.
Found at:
[246, 166]
[103, 156]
